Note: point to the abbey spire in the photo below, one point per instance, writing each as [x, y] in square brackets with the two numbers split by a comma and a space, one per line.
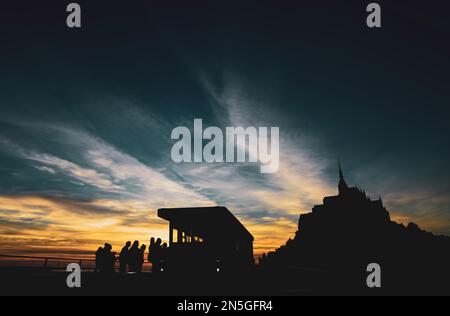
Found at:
[342, 184]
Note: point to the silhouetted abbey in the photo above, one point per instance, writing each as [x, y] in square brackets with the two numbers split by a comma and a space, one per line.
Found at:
[348, 232]
[206, 239]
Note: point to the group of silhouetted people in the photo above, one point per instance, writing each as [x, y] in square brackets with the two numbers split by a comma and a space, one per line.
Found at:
[131, 257]
[105, 259]
[157, 254]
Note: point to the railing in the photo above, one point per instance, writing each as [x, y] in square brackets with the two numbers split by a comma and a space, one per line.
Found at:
[52, 263]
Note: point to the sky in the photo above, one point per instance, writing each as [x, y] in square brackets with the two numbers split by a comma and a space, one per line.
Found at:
[86, 115]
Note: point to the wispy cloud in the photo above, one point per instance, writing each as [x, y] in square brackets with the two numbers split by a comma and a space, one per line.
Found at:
[85, 175]
[45, 169]
[108, 169]
[300, 181]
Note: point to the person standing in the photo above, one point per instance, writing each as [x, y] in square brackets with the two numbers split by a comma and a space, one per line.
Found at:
[141, 258]
[99, 261]
[124, 257]
[109, 258]
[134, 257]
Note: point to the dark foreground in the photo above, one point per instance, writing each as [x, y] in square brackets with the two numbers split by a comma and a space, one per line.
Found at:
[26, 281]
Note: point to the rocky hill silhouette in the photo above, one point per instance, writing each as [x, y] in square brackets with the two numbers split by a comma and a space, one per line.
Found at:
[348, 232]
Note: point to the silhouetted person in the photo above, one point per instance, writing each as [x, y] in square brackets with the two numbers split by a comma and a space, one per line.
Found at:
[99, 259]
[140, 262]
[151, 250]
[158, 255]
[163, 255]
[124, 257]
[155, 255]
[108, 259]
[134, 257]
[152, 242]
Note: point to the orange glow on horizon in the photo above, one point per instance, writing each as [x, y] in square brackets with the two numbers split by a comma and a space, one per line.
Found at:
[38, 226]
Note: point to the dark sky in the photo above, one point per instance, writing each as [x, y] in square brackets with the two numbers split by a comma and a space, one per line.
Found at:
[86, 113]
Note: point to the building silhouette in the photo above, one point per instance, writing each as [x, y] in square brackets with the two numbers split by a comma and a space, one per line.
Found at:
[206, 239]
[346, 233]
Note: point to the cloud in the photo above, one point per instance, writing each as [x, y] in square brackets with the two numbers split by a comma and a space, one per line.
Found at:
[300, 181]
[107, 169]
[138, 181]
[45, 169]
[28, 223]
[24, 224]
[85, 175]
